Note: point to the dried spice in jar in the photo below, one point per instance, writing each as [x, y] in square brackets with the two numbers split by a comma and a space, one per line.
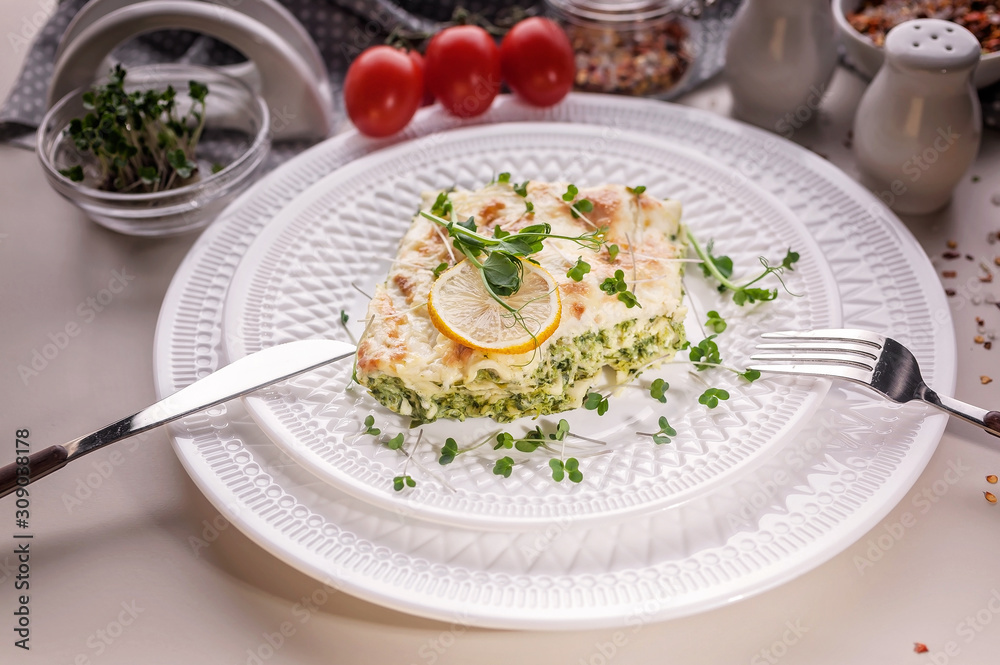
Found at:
[875, 18]
[635, 47]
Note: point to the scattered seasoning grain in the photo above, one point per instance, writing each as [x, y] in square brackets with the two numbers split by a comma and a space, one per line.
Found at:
[970, 257]
[996, 260]
[990, 497]
[979, 321]
[951, 255]
[978, 339]
[920, 647]
[949, 274]
[952, 292]
[985, 379]
[952, 244]
[975, 178]
[988, 345]
[991, 479]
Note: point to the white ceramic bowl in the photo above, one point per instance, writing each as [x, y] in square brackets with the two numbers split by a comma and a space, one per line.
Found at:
[867, 57]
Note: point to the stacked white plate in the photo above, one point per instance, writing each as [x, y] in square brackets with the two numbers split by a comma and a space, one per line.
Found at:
[776, 480]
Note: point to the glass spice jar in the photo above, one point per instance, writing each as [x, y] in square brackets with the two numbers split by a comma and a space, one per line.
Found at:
[630, 47]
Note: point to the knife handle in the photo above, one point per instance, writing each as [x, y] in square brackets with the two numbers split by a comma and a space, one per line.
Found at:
[236, 379]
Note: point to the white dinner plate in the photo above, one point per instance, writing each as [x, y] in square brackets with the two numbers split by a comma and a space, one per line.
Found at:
[814, 495]
[330, 247]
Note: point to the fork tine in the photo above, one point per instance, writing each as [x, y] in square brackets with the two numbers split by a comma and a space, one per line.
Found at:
[825, 358]
[835, 334]
[862, 350]
[816, 369]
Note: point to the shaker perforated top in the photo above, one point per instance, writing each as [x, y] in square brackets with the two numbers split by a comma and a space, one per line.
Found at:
[932, 44]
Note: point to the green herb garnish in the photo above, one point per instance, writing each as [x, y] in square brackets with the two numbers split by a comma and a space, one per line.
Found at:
[570, 468]
[369, 429]
[662, 435]
[596, 402]
[705, 351]
[141, 141]
[715, 322]
[577, 272]
[400, 481]
[721, 268]
[712, 396]
[658, 390]
[503, 467]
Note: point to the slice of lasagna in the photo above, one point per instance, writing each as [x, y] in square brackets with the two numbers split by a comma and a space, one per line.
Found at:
[413, 369]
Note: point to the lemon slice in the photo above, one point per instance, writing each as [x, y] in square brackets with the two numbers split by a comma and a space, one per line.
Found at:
[462, 310]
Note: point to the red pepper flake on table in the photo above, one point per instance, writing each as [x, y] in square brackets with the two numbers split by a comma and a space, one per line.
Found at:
[920, 647]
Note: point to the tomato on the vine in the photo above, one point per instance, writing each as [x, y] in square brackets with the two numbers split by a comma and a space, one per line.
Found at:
[382, 90]
[463, 69]
[537, 61]
[415, 56]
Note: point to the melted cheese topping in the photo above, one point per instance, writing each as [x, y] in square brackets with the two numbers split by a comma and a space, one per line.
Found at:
[402, 342]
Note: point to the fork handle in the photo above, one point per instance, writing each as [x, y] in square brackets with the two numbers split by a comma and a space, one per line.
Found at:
[988, 420]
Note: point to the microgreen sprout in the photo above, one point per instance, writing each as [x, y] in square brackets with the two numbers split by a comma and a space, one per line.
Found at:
[503, 467]
[521, 189]
[440, 269]
[616, 286]
[613, 252]
[576, 208]
[141, 140]
[596, 402]
[663, 435]
[721, 268]
[712, 397]
[658, 390]
[706, 350]
[449, 451]
[403, 481]
[637, 190]
[750, 375]
[344, 318]
[715, 322]
[577, 272]
[396, 442]
[570, 468]
[369, 426]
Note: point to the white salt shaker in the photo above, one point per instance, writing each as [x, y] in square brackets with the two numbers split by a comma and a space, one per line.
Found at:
[779, 60]
[919, 124]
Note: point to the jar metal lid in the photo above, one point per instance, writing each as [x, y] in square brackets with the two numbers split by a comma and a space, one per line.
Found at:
[617, 11]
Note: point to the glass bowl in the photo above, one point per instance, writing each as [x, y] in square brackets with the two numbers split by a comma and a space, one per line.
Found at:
[234, 144]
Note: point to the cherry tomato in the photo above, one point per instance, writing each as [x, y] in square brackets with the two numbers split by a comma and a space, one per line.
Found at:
[537, 61]
[463, 69]
[382, 90]
[428, 98]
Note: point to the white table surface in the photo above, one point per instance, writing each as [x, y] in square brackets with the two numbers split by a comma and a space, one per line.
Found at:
[118, 574]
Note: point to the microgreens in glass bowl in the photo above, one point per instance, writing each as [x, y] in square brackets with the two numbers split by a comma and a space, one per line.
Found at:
[156, 150]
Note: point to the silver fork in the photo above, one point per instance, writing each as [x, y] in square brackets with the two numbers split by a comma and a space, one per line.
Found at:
[878, 362]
